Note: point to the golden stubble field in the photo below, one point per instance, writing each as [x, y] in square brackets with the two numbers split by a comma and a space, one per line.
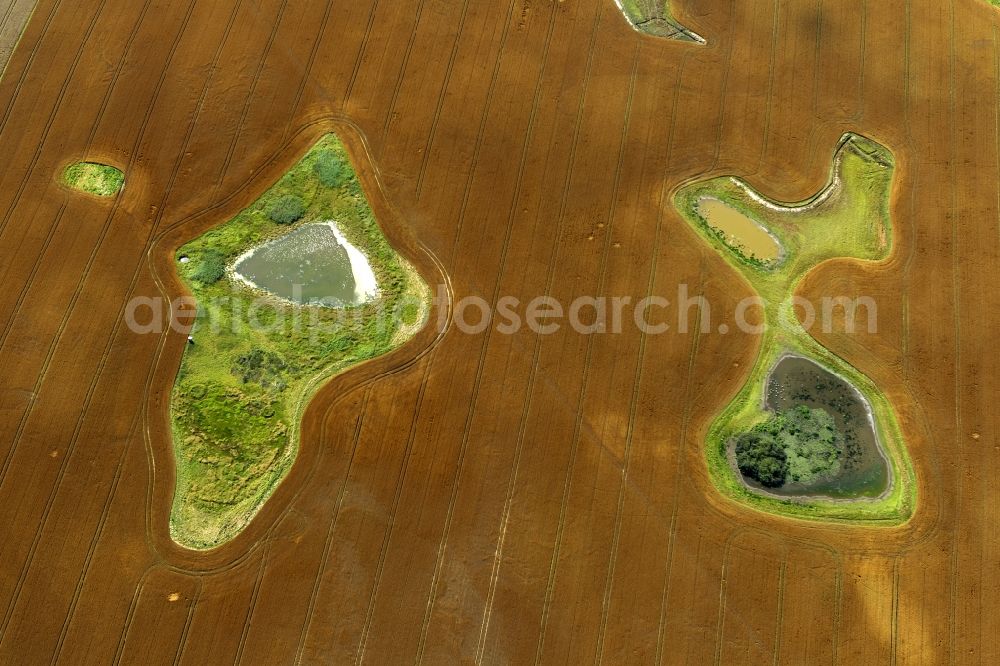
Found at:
[493, 498]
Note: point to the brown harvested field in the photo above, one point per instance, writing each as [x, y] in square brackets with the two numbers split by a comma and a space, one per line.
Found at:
[494, 498]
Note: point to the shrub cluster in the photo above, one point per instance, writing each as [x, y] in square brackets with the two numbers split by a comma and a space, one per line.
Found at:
[287, 209]
[261, 367]
[330, 169]
[211, 267]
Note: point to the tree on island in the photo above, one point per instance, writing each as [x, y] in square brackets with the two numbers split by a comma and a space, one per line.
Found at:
[760, 457]
[802, 445]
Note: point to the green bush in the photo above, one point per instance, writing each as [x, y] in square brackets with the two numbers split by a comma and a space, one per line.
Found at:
[330, 169]
[286, 209]
[211, 267]
[761, 457]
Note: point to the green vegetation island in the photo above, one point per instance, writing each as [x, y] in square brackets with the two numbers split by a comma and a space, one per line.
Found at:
[97, 179]
[255, 358]
[809, 438]
[801, 444]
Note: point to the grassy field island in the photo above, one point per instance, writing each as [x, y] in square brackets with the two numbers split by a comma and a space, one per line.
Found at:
[255, 358]
[97, 179]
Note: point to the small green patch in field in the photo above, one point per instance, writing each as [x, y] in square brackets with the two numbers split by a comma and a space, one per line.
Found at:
[98, 179]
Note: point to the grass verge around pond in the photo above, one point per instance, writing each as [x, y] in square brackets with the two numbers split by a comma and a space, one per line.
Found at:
[98, 179]
[241, 389]
[848, 218]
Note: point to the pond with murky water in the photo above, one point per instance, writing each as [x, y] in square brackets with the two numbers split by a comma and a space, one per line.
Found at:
[864, 472]
[741, 233]
[312, 264]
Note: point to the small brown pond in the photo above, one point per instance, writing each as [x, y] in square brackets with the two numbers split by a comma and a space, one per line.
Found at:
[741, 232]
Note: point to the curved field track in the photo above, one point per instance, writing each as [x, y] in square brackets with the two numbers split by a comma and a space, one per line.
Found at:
[494, 498]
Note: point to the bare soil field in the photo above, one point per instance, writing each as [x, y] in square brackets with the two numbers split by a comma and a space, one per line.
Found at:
[494, 498]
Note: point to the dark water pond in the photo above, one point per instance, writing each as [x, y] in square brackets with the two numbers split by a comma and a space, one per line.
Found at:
[312, 264]
[795, 381]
